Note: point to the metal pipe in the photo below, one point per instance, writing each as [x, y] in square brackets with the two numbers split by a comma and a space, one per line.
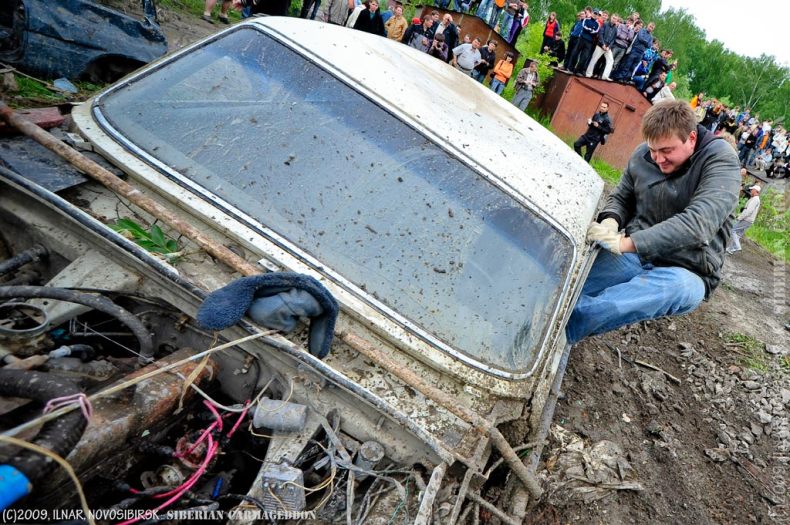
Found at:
[429, 495]
[33, 254]
[449, 403]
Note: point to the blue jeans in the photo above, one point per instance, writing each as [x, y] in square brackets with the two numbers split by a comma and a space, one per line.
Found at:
[497, 86]
[477, 75]
[620, 290]
[738, 231]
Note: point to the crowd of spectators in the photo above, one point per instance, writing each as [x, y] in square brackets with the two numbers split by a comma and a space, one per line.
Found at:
[761, 145]
[507, 17]
[611, 48]
[600, 45]
[439, 36]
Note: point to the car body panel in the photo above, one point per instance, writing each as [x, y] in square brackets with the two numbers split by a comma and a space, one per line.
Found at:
[472, 124]
[63, 38]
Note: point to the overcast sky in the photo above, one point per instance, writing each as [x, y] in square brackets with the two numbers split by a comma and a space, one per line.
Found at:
[746, 27]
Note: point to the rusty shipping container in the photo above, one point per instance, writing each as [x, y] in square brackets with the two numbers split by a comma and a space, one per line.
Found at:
[570, 100]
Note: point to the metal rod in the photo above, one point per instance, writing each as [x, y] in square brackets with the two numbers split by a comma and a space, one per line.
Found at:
[449, 403]
[33, 254]
[429, 495]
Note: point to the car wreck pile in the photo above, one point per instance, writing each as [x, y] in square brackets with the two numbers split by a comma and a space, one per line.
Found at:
[405, 272]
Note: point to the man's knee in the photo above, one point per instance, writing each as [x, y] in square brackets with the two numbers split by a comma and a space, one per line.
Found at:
[682, 289]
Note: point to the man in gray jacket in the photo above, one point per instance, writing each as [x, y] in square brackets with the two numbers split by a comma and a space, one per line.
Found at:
[663, 229]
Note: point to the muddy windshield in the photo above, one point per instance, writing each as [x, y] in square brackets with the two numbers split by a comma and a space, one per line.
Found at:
[421, 236]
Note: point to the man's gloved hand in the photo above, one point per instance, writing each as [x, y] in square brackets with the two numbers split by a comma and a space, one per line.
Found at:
[611, 224]
[606, 235]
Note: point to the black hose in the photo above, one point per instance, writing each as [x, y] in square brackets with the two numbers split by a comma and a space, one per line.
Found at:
[30, 255]
[97, 302]
[59, 435]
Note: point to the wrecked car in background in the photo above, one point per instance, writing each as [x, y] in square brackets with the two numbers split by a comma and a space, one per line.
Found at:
[448, 226]
[78, 39]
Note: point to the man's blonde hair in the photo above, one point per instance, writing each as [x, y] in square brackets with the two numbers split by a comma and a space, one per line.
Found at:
[670, 117]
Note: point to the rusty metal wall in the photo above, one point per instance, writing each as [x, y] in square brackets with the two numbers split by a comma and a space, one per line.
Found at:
[571, 100]
[476, 27]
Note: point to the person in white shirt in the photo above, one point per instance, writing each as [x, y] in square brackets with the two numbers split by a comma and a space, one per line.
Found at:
[467, 56]
[745, 219]
[665, 93]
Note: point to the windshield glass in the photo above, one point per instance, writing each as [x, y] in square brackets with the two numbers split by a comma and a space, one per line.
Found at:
[417, 231]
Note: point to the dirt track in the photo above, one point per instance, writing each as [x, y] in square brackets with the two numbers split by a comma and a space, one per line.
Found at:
[712, 449]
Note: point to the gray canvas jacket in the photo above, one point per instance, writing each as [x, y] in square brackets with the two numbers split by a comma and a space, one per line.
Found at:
[684, 218]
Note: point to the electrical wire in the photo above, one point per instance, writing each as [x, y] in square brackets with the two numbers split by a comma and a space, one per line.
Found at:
[60, 461]
[131, 382]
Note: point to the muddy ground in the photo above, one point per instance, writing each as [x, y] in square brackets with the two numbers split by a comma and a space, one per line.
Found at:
[711, 447]
[704, 439]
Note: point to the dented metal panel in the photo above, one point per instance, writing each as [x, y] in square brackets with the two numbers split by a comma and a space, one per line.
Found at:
[64, 38]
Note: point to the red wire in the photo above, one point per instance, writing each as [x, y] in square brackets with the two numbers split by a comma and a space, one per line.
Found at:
[211, 451]
[241, 418]
[214, 411]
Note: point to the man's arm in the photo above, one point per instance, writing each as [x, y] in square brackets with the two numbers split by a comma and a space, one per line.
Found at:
[621, 203]
[712, 202]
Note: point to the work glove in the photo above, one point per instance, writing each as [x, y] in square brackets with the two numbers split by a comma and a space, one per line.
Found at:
[605, 234]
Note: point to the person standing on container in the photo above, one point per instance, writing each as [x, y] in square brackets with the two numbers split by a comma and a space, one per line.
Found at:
[598, 126]
[664, 228]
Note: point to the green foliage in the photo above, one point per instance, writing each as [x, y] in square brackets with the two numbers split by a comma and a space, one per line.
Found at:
[528, 45]
[772, 224]
[750, 349]
[154, 240]
[29, 88]
[35, 93]
[609, 174]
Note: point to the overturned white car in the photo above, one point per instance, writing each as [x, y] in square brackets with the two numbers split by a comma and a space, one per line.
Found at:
[447, 226]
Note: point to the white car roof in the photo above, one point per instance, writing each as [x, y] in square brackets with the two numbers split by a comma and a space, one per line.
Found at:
[464, 115]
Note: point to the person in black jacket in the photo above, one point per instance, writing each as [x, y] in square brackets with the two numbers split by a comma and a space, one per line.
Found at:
[597, 128]
[663, 229]
[488, 59]
[556, 50]
[370, 20]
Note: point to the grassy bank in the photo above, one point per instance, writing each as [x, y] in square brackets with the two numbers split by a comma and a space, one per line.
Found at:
[772, 225]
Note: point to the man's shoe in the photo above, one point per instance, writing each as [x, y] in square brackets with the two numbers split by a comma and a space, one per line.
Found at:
[224, 20]
[207, 18]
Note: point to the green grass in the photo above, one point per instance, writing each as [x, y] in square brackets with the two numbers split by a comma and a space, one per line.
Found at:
[31, 89]
[195, 7]
[751, 351]
[772, 224]
[608, 173]
[33, 93]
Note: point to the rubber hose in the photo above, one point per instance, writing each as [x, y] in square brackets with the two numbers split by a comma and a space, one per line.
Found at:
[97, 302]
[59, 435]
[36, 253]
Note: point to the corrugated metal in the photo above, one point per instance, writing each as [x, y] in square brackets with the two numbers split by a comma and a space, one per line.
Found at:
[475, 26]
[571, 100]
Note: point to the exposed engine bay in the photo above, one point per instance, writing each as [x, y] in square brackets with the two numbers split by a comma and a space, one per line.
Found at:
[230, 431]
